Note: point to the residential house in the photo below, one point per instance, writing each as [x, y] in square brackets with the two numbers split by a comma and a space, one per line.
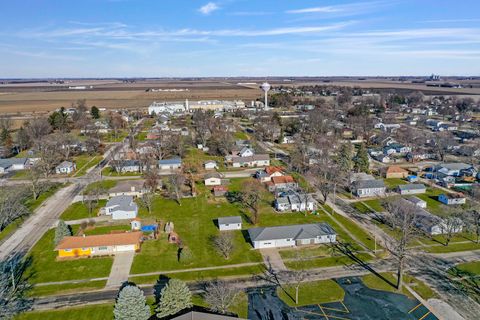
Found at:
[99, 245]
[292, 236]
[382, 158]
[258, 160]
[411, 188]
[229, 223]
[295, 202]
[288, 140]
[214, 179]
[246, 152]
[66, 167]
[210, 165]
[13, 164]
[133, 188]
[455, 169]
[268, 173]
[391, 127]
[452, 198]
[121, 207]
[170, 164]
[282, 183]
[369, 188]
[417, 201]
[125, 166]
[395, 172]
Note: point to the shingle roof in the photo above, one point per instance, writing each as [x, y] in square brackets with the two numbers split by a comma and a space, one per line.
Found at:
[396, 169]
[283, 179]
[411, 186]
[170, 161]
[122, 203]
[65, 164]
[126, 186]
[229, 220]
[299, 231]
[114, 239]
[7, 162]
[363, 184]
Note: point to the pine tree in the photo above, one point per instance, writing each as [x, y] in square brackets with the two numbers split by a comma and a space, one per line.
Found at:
[361, 163]
[131, 304]
[174, 297]
[345, 157]
[95, 112]
[61, 231]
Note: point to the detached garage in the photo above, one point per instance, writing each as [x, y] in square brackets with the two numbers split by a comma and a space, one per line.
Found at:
[291, 236]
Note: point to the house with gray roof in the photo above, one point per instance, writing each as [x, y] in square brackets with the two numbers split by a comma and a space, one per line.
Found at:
[454, 169]
[417, 201]
[66, 167]
[229, 223]
[257, 160]
[13, 164]
[170, 164]
[369, 188]
[292, 236]
[411, 188]
[121, 207]
[295, 202]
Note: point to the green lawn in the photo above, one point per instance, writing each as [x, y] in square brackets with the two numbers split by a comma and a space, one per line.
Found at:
[86, 163]
[375, 204]
[453, 247]
[46, 268]
[78, 210]
[366, 238]
[34, 204]
[361, 207]
[433, 205]
[109, 171]
[392, 183]
[470, 267]
[99, 229]
[20, 174]
[195, 157]
[142, 136]
[240, 135]
[56, 289]
[110, 137]
[374, 282]
[104, 184]
[10, 229]
[316, 292]
[94, 312]
[239, 305]
[332, 261]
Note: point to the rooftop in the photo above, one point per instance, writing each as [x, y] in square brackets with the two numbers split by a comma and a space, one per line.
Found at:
[114, 239]
[229, 220]
[299, 231]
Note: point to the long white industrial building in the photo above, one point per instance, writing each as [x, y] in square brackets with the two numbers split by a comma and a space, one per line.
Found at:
[181, 107]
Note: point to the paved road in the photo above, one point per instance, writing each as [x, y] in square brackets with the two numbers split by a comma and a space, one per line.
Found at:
[44, 218]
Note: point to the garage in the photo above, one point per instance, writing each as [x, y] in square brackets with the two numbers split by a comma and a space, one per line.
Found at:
[130, 247]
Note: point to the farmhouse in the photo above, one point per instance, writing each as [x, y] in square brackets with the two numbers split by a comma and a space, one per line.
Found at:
[121, 207]
[291, 236]
[451, 199]
[229, 223]
[99, 245]
[411, 188]
[66, 167]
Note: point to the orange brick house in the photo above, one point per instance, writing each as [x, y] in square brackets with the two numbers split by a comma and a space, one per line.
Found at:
[396, 172]
[99, 245]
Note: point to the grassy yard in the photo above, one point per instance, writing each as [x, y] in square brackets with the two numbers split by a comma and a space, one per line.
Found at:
[204, 275]
[392, 183]
[240, 135]
[470, 267]
[78, 210]
[375, 204]
[86, 163]
[239, 305]
[366, 238]
[46, 268]
[56, 289]
[110, 137]
[196, 158]
[104, 184]
[330, 261]
[34, 204]
[94, 312]
[142, 136]
[374, 282]
[109, 171]
[433, 205]
[316, 292]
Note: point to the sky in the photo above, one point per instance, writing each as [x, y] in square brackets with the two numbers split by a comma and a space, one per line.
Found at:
[190, 38]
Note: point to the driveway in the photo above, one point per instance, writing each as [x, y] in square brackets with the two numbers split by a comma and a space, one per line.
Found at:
[120, 269]
[273, 260]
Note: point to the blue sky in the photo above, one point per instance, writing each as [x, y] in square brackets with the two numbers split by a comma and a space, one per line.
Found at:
[128, 38]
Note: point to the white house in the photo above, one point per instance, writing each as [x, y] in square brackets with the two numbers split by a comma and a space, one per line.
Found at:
[66, 167]
[246, 152]
[454, 169]
[292, 236]
[13, 164]
[268, 173]
[210, 165]
[288, 139]
[134, 188]
[295, 202]
[121, 207]
[411, 188]
[451, 199]
[213, 179]
[170, 164]
[229, 223]
[369, 188]
[417, 201]
[258, 160]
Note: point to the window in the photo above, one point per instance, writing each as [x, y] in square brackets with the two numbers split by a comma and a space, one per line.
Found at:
[67, 250]
[102, 248]
[85, 249]
[289, 239]
[226, 224]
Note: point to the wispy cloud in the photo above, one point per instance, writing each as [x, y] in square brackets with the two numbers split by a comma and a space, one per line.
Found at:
[208, 8]
[343, 9]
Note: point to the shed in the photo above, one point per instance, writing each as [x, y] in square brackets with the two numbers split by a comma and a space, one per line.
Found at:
[230, 223]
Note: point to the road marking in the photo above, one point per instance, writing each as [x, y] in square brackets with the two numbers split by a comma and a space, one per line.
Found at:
[415, 308]
[425, 315]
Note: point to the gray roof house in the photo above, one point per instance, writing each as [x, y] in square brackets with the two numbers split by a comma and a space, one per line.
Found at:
[12, 164]
[369, 188]
[132, 188]
[170, 164]
[293, 235]
[121, 207]
[411, 188]
[65, 167]
[230, 223]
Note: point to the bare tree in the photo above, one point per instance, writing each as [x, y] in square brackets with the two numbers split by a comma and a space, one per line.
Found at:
[452, 224]
[38, 128]
[220, 295]
[47, 150]
[473, 221]
[33, 176]
[174, 185]
[116, 122]
[147, 200]
[300, 275]
[201, 121]
[12, 207]
[224, 244]
[92, 145]
[251, 196]
[401, 215]
[443, 142]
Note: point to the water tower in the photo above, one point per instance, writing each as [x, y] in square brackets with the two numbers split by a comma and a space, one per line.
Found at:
[265, 87]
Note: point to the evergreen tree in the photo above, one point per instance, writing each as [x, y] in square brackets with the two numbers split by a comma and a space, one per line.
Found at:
[131, 304]
[61, 231]
[174, 297]
[361, 163]
[95, 112]
[345, 157]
